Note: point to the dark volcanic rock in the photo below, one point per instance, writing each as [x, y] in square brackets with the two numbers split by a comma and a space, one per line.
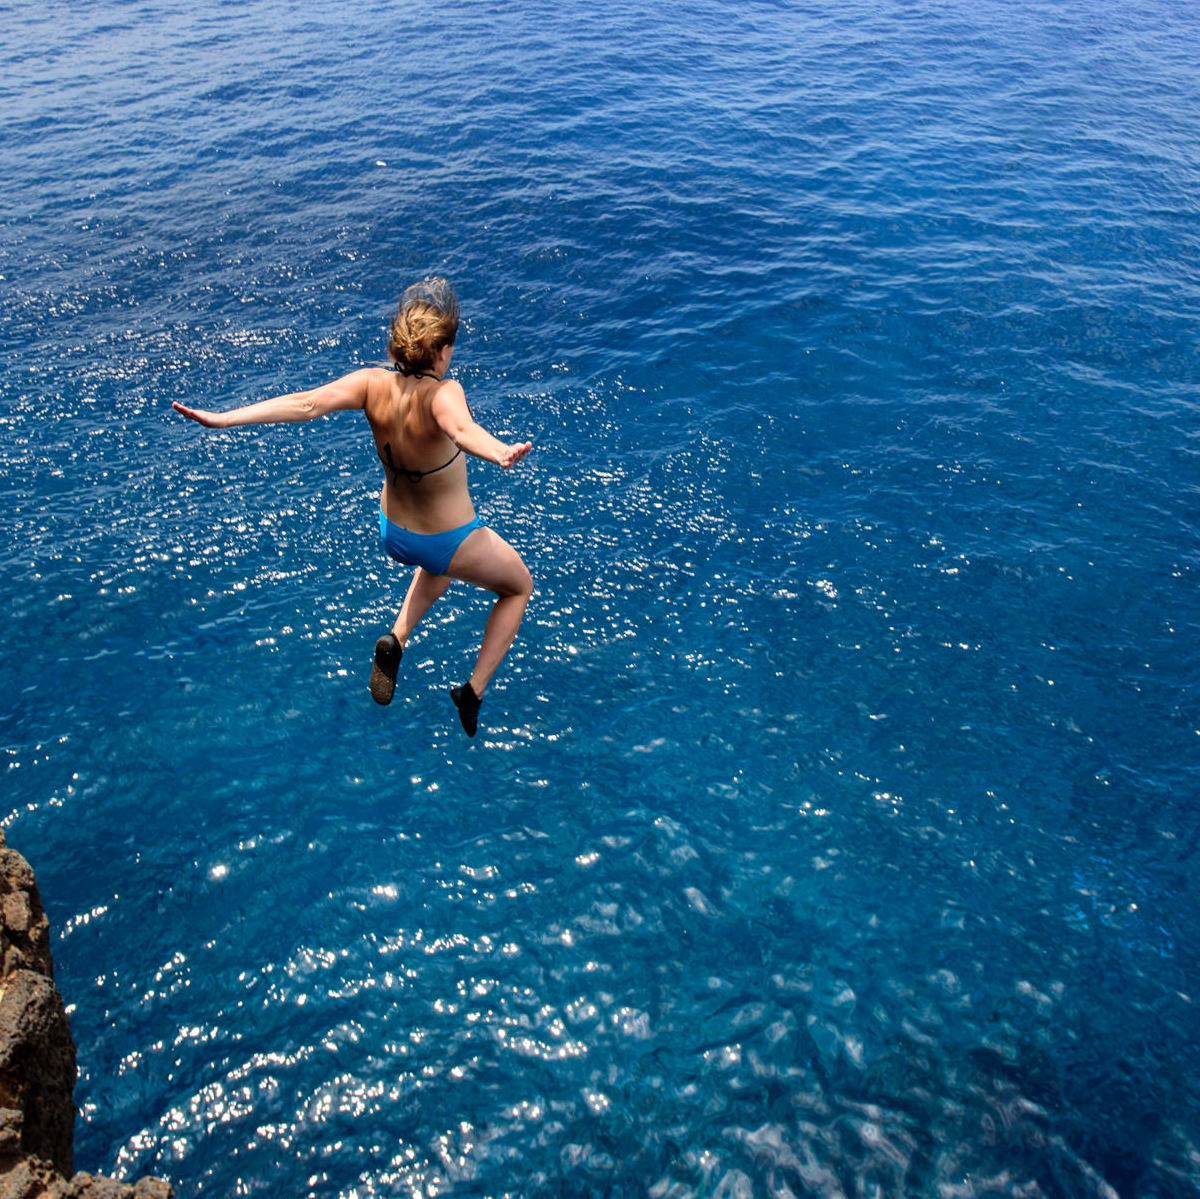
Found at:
[37, 1059]
[24, 929]
[37, 1068]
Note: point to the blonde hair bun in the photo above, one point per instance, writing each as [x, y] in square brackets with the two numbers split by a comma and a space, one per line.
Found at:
[426, 320]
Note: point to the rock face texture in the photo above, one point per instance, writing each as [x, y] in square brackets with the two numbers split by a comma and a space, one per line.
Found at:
[37, 1059]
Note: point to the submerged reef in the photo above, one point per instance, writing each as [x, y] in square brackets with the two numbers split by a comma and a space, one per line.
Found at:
[37, 1059]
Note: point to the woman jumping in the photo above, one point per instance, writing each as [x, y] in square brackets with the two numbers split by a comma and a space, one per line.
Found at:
[422, 427]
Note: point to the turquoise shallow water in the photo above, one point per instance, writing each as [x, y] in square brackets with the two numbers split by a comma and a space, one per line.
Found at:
[833, 828]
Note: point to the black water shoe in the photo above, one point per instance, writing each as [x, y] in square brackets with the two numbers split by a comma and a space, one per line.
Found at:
[467, 703]
[388, 652]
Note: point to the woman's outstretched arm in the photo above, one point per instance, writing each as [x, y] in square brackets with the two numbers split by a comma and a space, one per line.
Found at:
[350, 391]
[455, 420]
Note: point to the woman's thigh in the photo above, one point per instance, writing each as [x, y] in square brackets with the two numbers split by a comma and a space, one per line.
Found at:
[488, 561]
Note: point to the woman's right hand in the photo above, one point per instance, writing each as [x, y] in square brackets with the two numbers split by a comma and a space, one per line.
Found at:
[210, 420]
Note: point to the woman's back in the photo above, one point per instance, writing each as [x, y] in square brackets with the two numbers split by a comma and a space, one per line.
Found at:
[425, 474]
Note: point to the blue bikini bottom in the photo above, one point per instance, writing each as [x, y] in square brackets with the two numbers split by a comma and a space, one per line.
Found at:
[433, 551]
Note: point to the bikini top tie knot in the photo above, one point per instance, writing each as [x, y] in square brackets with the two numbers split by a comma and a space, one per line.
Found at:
[411, 372]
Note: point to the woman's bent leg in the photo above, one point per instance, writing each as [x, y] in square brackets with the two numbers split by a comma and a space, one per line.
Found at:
[487, 560]
[423, 592]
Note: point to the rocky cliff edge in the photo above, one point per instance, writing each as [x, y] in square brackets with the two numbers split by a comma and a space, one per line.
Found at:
[37, 1059]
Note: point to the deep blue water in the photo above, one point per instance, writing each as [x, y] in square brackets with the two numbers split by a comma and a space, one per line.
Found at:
[833, 828]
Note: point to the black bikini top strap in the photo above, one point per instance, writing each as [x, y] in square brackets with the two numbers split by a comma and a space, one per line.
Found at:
[412, 373]
[449, 462]
[413, 476]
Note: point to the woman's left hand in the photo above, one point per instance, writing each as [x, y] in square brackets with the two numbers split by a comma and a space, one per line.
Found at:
[512, 454]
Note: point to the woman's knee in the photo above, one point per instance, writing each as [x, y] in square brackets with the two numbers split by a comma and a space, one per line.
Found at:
[520, 584]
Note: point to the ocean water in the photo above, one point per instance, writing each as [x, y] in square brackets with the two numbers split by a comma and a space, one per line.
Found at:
[833, 825]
